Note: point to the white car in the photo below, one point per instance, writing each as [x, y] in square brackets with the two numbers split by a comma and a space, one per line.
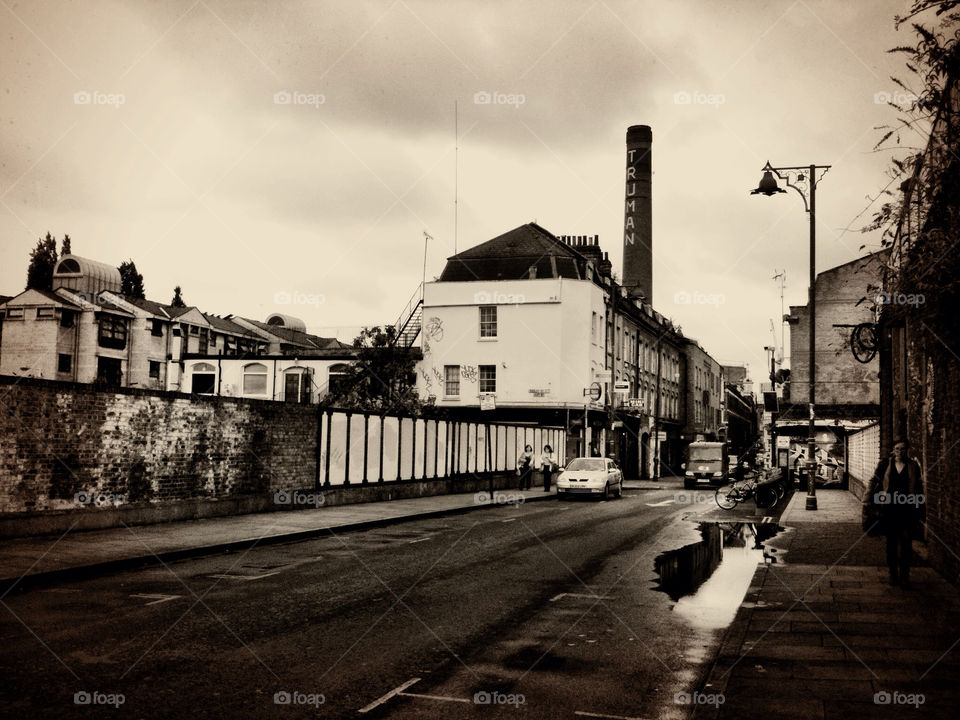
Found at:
[595, 476]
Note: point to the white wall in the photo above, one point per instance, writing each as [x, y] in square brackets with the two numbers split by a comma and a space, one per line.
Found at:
[543, 340]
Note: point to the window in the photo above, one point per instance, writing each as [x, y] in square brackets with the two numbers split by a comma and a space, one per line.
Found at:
[451, 380]
[255, 379]
[337, 377]
[45, 313]
[488, 321]
[203, 346]
[156, 327]
[194, 330]
[155, 369]
[14, 313]
[488, 378]
[297, 386]
[64, 362]
[67, 318]
[113, 333]
[593, 328]
[109, 371]
[203, 379]
[68, 266]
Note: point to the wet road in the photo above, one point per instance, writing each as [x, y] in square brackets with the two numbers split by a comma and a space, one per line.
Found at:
[550, 609]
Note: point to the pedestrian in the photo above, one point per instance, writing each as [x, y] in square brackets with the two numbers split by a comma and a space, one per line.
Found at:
[547, 466]
[525, 467]
[897, 488]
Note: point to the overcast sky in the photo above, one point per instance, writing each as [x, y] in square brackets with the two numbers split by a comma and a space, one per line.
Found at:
[176, 152]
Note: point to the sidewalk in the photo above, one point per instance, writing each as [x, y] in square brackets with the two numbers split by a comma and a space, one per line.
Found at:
[31, 560]
[823, 635]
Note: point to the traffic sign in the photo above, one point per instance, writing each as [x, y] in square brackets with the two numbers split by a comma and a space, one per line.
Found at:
[594, 392]
[622, 387]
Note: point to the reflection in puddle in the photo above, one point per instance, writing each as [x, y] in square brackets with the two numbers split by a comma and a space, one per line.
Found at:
[708, 579]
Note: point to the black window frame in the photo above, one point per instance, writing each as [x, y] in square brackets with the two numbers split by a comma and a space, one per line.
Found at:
[112, 333]
[492, 369]
[487, 322]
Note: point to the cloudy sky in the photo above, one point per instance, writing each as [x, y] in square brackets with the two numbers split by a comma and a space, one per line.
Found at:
[154, 131]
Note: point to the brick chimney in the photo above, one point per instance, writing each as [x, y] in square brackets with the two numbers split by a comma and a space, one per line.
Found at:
[638, 214]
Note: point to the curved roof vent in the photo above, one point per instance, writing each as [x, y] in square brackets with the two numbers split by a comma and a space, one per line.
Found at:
[287, 321]
[77, 273]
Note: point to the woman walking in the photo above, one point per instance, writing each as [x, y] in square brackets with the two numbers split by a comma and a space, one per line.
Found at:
[898, 491]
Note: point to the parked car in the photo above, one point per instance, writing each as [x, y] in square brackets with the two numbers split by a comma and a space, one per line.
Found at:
[595, 476]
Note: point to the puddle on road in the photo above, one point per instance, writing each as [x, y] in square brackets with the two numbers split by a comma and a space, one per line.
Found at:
[708, 579]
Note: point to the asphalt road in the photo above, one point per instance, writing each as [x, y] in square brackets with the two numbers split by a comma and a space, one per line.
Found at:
[547, 610]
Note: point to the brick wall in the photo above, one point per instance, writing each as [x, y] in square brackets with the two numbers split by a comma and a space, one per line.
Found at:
[863, 455]
[58, 439]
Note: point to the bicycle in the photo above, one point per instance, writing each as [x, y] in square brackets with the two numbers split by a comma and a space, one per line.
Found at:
[730, 496]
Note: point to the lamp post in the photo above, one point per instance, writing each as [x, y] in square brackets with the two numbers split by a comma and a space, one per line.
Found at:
[804, 180]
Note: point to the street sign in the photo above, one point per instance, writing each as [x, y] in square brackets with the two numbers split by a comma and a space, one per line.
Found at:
[488, 402]
[603, 376]
[662, 436]
[594, 392]
[622, 387]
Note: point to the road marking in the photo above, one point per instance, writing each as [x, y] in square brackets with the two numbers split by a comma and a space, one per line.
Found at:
[660, 504]
[244, 577]
[445, 698]
[396, 691]
[510, 520]
[156, 597]
[420, 539]
[582, 595]
[600, 715]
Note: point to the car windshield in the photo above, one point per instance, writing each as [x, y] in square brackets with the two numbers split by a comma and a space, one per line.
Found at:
[587, 464]
[705, 454]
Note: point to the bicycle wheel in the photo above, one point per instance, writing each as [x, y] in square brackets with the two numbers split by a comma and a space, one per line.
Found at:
[727, 497]
[765, 496]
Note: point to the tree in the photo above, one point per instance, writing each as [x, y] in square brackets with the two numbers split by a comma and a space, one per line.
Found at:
[382, 379]
[43, 260]
[177, 298]
[65, 246]
[920, 218]
[131, 282]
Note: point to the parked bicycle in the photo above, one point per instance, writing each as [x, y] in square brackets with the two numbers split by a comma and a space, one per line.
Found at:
[764, 494]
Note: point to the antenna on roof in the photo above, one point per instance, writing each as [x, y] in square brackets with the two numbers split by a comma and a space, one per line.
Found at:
[456, 174]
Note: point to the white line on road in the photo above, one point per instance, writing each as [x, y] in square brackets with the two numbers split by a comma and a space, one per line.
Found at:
[661, 503]
[582, 595]
[156, 597]
[445, 698]
[396, 691]
[245, 577]
[600, 715]
[510, 520]
[420, 539]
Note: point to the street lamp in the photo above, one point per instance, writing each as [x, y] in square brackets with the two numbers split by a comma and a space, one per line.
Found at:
[804, 180]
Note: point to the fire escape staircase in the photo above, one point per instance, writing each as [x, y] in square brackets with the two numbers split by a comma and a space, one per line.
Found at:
[410, 321]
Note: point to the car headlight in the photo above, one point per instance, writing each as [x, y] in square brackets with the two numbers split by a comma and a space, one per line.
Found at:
[689, 473]
[718, 474]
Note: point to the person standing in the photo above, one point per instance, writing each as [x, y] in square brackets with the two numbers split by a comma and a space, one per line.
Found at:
[525, 467]
[547, 466]
[898, 490]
